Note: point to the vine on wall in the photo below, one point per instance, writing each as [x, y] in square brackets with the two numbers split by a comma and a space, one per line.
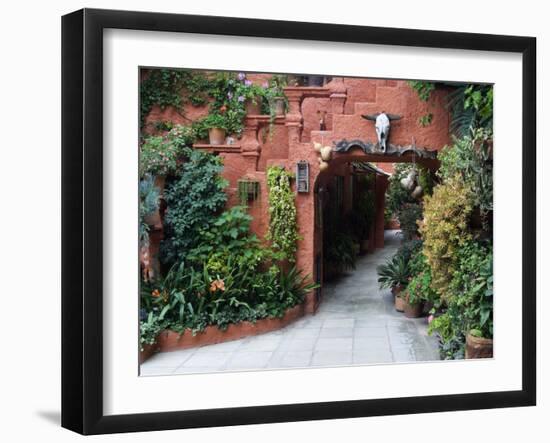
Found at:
[283, 224]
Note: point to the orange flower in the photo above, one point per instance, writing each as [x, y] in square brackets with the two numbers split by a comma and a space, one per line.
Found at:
[223, 109]
[155, 293]
[217, 284]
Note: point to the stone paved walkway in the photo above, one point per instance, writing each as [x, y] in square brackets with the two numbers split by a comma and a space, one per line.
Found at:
[356, 323]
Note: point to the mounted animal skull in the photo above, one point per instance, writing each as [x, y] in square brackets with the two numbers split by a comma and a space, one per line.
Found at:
[382, 127]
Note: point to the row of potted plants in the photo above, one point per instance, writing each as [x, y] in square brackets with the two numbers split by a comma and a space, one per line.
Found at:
[240, 97]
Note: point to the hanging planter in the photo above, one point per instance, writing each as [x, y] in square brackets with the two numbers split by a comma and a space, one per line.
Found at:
[248, 190]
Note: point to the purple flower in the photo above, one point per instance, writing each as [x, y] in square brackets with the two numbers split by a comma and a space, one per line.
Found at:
[241, 76]
[240, 99]
[247, 83]
[229, 95]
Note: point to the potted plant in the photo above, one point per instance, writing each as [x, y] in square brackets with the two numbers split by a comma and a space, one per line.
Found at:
[394, 274]
[478, 346]
[216, 126]
[412, 305]
[250, 94]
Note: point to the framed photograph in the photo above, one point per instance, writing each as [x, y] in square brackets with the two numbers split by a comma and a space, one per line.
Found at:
[270, 221]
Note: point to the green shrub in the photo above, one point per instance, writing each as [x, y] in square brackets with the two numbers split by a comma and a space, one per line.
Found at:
[193, 200]
[445, 229]
[470, 157]
[409, 215]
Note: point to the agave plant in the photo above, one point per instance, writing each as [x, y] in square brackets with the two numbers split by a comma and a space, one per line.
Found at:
[395, 272]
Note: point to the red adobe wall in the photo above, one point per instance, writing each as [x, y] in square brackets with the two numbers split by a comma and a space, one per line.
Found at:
[291, 140]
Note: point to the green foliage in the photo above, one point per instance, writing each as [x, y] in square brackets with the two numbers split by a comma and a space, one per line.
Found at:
[445, 229]
[190, 298]
[470, 157]
[420, 284]
[422, 88]
[426, 180]
[149, 196]
[471, 107]
[470, 309]
[340, 249]
[472, 287]
[227, 238]
[149, 329]
[214, 121]
[158, 156]
[396, 195]
[409, 215]
[395, 272]
[166, 87]
[194, 199]
[283, 226]
[425, 120]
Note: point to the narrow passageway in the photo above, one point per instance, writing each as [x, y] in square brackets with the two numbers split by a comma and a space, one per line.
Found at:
[356, 323]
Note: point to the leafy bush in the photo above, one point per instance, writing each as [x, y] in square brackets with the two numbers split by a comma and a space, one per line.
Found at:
[445, 229]
[283, 225]
[420, 283]
[470, 157]
[193, 202]
[409, 215]
[470, 309]
[471, 107]
[472, 286]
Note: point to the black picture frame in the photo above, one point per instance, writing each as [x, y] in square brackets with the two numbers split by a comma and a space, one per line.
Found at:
[82, 215]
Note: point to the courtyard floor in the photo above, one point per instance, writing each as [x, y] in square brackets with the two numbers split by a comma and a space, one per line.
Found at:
[356, 323]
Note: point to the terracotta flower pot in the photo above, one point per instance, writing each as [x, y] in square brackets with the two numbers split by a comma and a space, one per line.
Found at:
[412, 310]
[216, 136]
[478, 347]
[253, 108]
[399, 303]
[279, 105]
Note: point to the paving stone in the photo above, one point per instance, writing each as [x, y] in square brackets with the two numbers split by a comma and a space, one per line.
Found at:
[372, 356]
[370, 332]
[249, 360]
[334, 344]
[331, 358]
[208, 360]
[296, 359]
[336, 333]
[339, 323]
[300, 344]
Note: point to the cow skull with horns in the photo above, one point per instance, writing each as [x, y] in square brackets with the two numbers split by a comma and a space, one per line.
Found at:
[382, 126]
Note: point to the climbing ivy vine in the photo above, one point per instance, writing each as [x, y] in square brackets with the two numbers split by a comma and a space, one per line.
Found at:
[164, 87]
[283, 226]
